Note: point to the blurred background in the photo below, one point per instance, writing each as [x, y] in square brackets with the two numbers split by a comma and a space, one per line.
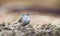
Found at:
[40, 3]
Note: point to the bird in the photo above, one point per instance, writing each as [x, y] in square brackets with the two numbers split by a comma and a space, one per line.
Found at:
[25, 19]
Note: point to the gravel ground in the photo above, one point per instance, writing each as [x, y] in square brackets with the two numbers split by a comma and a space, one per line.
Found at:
[28, 30]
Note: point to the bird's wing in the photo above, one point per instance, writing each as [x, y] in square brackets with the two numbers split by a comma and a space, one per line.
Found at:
[20, 20]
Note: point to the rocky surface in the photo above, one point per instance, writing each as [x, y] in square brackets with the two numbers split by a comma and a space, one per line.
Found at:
[28, 30]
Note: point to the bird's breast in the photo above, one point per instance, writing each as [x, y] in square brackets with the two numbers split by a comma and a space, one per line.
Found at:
[25, 19]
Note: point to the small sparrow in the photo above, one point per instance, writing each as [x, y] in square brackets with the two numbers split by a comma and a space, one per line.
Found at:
[25, 19]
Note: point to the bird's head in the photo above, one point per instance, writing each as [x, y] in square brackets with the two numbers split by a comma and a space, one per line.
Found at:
[26, 14]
